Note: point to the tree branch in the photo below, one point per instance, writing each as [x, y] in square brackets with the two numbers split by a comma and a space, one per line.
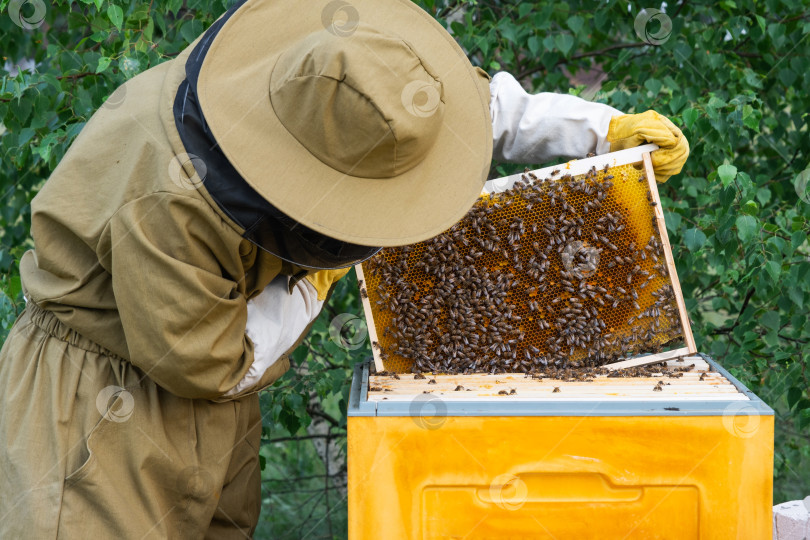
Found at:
[75, 76]
[617, 46]
[329, 418]
[728, 329]
[680, 7]
[303, 437]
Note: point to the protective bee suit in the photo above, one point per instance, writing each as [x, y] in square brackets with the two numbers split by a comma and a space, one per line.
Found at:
[189, 238]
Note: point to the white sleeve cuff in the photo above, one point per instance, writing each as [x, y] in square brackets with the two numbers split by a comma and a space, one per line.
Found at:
[275, 321]
[537, 128]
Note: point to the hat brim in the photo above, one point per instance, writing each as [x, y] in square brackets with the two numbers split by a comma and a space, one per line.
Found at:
[233, 90]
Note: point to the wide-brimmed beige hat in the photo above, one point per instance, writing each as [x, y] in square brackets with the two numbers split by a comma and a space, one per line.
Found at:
[362, 120]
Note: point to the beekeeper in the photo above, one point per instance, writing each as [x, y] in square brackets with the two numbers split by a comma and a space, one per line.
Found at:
[192, 233]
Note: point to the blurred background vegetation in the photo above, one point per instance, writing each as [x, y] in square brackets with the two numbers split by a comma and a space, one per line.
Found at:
[732, 74]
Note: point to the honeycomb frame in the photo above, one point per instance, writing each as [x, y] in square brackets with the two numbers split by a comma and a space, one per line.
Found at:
[622, 175]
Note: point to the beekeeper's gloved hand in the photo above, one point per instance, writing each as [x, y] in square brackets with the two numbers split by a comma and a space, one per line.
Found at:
[278, 319]
[629, 130]
[323, 280]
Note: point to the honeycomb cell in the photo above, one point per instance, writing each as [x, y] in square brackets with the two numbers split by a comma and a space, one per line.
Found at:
[564, 271]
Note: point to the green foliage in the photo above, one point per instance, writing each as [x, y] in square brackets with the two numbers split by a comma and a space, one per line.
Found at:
[732, 74]
[82, 51]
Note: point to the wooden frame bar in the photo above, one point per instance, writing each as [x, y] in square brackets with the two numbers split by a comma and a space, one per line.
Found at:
[372, 328]
[686, 327]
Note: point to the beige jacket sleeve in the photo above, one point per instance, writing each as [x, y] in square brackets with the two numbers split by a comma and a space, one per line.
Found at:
[279, 319]
[184, 317]
[276, 320]
[535, 128]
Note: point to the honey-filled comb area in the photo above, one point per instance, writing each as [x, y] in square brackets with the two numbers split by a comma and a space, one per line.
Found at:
[557, 271]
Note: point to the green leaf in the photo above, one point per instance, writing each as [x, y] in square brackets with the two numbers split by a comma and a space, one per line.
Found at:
[796, 295]
[804, 418]
[694, 239]
[548, 42]
[763, 195]
[752, 78]
[564, 42]
[653, 85]
[534, 45]
[525, 8]
[509, 31]
[676, 102]
[575, 23]
[193, 28]
[770, 319]
[774, 270]
[716, 103]
[750, 207]
[103, 64]
[689, 116]
[682, 51]
[771, 339]
[14, 287]
[727, 173]
[149, 30]
[751, 118]
[761, 22]
[747, 228]
[787, 76]
[797, 239]
[794, 394]
[173, 6]
[116, 15]
[672, 220]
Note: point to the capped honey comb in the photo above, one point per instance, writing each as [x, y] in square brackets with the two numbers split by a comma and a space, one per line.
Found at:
[557, 271]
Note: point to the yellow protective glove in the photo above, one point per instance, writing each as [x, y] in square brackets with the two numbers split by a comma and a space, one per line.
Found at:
[323, 280]
[629, 130]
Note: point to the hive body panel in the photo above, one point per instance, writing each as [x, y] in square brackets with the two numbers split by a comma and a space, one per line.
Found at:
[560, 477]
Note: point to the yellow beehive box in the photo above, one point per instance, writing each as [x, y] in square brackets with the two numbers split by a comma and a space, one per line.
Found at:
[612, 458]
[544, 444]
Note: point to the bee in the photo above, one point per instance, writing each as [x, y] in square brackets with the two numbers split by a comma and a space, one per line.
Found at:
[556, 389]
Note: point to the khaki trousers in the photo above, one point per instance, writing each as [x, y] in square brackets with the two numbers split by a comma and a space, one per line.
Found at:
[91, 448]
